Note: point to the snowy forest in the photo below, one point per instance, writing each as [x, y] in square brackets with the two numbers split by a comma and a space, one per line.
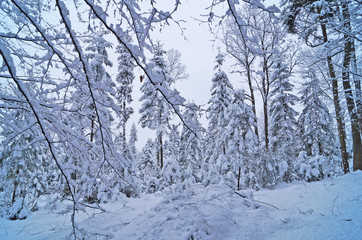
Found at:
[67, 75]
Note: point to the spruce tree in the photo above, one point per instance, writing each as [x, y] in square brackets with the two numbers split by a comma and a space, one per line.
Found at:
[191, 153]
[318, 157]
[221, 99]
[147, 170]
[155, 110]
[315, 121]
[241, 141]
[97, 56]
[125, 77]
[283, 126]
[133, 139]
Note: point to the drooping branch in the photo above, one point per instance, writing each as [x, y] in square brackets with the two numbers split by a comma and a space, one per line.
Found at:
[46, 38]
[63, 11]
[139, 58]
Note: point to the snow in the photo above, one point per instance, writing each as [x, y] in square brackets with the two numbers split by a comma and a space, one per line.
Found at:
[329, 209]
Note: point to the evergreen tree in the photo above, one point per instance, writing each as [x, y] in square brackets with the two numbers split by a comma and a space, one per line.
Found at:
[155, 110]
[315, 121]
[124, 78]
[191, 153]
[147, 170]
[133, 139]
[171, 176]
[283, 126]
[174, 143]
[221, 99]
[97, 56]
[318, 158]
[241, 140]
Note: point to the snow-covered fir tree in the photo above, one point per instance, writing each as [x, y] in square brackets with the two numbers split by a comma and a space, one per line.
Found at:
[221, 99]
[133, 139]
[242, 142]
[155, 110]
[191, 153]
[125, 77]
[147, 170]
[283, 126]
[104, 90]
[318, 157]
[171, 176]
[317, 136]
[97, 56]
[171, 173]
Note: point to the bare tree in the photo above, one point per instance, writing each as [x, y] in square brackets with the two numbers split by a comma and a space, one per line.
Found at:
[174, 66]
[239, 47]
[256, 41]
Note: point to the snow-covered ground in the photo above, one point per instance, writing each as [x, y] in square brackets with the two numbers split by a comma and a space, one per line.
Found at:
[330, 209]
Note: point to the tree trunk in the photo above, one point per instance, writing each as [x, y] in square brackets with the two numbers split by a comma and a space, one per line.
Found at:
[161, 152]
[266, 123]
[248, 71]
[15, 187]
[357, 84]
[158, 157]
[92, 130]
[356, 137]
[266, 85]
[124, 127]
[337, 106]
[239, 175]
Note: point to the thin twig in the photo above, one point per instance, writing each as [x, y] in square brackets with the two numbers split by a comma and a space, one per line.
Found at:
[271, 205]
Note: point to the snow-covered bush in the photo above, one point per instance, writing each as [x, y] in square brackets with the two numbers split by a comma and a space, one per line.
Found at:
[19, 210]
[171, 176]
[260, 171]
[315, 168]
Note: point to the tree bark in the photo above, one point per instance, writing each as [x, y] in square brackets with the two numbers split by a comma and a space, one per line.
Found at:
[337, 106]
[239, 175]
[357, 85]
[248, 72]
[351, 106]
[92, 130]
[161, 152]
[15, 187]
[266, 123]
[266, 85]
[124, 126]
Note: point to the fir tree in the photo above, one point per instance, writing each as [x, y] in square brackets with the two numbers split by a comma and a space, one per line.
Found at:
[283, 126]
[147, 170]
[25, 173]
[241, 140]
[97, 56]
[104, 90]
[155, 110]
[124, 78]
[221, 99]
[191, 153]
[133, 139]
[315, 121]
[318, 156]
